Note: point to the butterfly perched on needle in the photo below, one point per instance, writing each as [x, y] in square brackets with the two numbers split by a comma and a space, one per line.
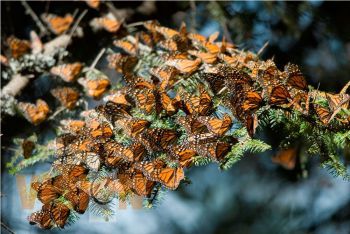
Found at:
[122, 63]
[294, 77]
[68, 72]
[72, 126]
[132, 126]
[50, 215]
[17, 46]
[182, 154]
[185, 66]
[34, 113]
[158, 171]
[216, 126]
[150, 97]
[58, 24]
[287, 158]
[206, 57]
[198, 105]
[97, 87]
[279, 95]
[108, 23]
[156, 139]
[119, 98]
[323, 113]
[127, 46]
[67, 96]
[166, 75]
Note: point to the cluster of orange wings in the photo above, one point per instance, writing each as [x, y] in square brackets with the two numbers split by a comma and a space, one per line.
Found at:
[153, 156]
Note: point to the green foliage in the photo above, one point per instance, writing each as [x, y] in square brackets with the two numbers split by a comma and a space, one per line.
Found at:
[41, 153]
[245, 145]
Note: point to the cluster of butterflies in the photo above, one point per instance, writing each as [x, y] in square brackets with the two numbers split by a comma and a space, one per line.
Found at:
[144, 156]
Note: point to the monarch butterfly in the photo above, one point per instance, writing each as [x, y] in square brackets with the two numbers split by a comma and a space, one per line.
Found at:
[48, 192]
[215, 80]
[217, 126]
[141, 185]
[198, 105]
[146, 101]
[279, 96]
[158, 171]
[137, 151]
[196, 37]
[166, 75]
[132, 126]
[294, 77]
[127, 46]
[268, 76]
[93, 3]
[229, 60]
[215, 150]
[92, 161]
[58, 24]
[68, 72]
[205, 57]
[191, 125]
[251, 123]
[184, 65]
[286, 158]
[338, 100]
[107, 23]
[252, 101]
[323, 113]
[50, 215]
[18, 47]
[35, 114]
[183, 155]
[79, 200]
[208, 45]
[42, 218]
[118, 98]
[96, 87]
[234, 78]
[149, 98]
[157, 139]
[28, 147]
[72, 126]
[166, 32]
[122, 63]
[112, 111]
[67, 96]
[98, 129]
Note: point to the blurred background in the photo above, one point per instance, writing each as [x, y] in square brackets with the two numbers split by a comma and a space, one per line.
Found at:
[255, 195]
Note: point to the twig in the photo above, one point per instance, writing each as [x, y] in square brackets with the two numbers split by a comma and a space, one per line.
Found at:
[16, 84]
[345, 88]
[77, 22]
[36, 19]
[262, 48]
[98, 57]
[59, 110]
[222, 90]
[61, 41]
[135, 24]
